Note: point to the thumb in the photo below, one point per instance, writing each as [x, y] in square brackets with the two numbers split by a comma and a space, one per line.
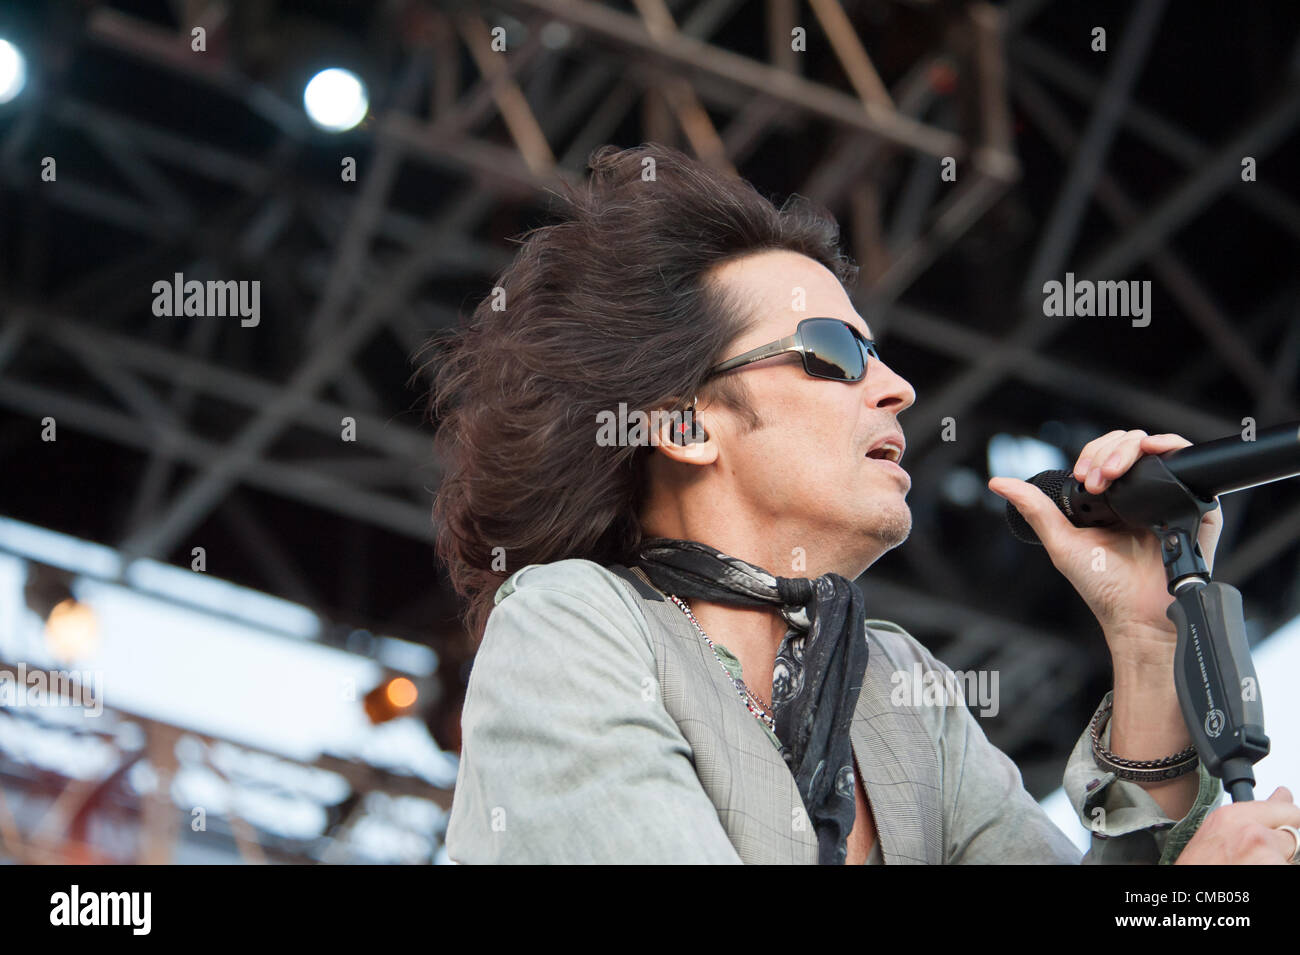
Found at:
[1036, 507]
[1281, 794]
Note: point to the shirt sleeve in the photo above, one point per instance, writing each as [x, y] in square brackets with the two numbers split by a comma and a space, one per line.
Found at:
[568, 755]
[1127, 824]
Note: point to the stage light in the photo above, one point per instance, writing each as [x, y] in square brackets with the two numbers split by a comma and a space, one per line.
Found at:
[401, 692]
[336, 100]
[394, 697]
[13, 71]
[72, 631]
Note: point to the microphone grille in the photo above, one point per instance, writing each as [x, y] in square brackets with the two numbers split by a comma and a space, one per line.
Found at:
[1051, 483]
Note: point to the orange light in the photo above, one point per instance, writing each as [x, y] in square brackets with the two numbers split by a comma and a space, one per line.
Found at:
[71, 630]
[401, 692]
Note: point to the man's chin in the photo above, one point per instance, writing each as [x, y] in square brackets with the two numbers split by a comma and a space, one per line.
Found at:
[892, 528]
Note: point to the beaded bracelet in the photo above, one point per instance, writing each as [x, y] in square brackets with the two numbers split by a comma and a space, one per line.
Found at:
[1138, 770]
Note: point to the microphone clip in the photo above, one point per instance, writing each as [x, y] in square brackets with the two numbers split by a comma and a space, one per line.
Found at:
[1218, 691]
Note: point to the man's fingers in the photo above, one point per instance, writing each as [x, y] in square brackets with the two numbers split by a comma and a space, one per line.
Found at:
[1037, 508]
[1158, 443]
[1094, 453]
[1126, 451]
[1287, 841]
[1108, 458]
[1283, 801]
[1277, 810]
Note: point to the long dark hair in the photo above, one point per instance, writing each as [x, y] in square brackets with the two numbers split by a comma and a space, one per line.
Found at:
[615, 303]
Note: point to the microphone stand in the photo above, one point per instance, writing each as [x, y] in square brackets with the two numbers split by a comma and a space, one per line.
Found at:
[1213, 672]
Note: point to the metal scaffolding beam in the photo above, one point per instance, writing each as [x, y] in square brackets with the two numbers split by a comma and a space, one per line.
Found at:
[1035, 330]
[685, 55]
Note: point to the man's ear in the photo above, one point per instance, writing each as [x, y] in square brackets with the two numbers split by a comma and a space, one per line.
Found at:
[681, 436]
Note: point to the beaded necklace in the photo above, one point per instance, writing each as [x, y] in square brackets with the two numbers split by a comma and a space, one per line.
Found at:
[753, 702]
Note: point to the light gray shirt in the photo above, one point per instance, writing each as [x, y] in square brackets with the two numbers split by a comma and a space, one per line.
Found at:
[595, 730]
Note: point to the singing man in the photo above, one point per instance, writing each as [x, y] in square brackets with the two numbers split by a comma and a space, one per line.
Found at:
[676, 664]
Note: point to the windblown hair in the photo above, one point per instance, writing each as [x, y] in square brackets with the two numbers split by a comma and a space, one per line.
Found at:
[615, 303]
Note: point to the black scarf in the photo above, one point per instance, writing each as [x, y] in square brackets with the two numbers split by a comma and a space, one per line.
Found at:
[817, 675]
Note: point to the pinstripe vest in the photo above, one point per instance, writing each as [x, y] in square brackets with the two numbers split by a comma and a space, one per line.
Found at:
[743, 773]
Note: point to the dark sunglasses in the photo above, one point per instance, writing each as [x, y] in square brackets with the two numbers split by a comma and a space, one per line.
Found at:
[830, 348]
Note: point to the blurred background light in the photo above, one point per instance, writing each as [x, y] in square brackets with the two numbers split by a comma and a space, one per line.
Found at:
[962, 487]
[1017, 456]
[336, 100]
[58, 550]
[13, 71]
[223, 598]
[71, 630]
[392, 698]
[401, 692]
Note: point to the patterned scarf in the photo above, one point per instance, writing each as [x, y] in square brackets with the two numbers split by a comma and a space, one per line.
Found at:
[817, 675]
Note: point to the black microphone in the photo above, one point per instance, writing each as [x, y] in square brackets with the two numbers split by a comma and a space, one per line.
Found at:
[1207, 470]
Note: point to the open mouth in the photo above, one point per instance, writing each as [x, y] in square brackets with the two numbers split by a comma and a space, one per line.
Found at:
[886, 452]
[889, 455]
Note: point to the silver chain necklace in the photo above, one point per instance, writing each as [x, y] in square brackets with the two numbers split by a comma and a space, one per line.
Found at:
[753, 702]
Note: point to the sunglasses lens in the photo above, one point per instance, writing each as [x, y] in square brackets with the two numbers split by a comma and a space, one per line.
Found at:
[832, 351]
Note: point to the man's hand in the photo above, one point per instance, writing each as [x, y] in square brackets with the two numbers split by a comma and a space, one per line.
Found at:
[1121, 576]
[1245, 833]
[1119, 573]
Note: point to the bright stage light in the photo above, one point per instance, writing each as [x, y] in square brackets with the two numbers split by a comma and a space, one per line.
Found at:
[336, 100]
[394, 697]
[402, 693]
[72, 631]
[13, 71]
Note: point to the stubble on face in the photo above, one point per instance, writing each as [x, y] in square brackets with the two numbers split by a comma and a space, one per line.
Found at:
[893, 526]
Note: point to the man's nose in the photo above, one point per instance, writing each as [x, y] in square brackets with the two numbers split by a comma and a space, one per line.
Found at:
[888, 389]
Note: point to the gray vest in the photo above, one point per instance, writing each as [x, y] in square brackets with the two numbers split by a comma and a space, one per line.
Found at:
[743, 773]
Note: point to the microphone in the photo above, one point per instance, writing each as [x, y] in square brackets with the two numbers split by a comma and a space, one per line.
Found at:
[1169, 494]
[1135, 498]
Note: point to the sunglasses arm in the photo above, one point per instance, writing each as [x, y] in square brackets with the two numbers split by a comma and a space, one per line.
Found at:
[787, 344]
